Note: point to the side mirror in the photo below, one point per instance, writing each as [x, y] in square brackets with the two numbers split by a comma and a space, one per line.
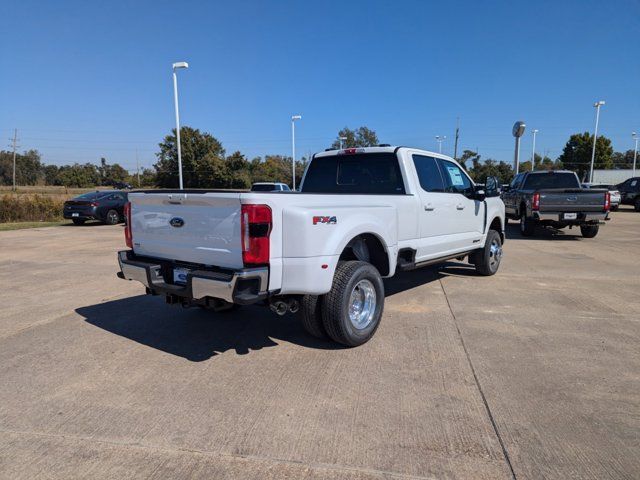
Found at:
[492, 187]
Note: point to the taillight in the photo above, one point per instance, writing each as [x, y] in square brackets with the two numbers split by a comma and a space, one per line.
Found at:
[607, 201]
[94, 204]
[255, 225]
[128, 239]
[535, 202]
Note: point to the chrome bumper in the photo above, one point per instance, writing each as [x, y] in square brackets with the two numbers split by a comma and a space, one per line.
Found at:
[581, 218]
[200, 283]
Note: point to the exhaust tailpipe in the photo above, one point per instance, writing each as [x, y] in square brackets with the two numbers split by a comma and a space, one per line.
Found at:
[279, 307]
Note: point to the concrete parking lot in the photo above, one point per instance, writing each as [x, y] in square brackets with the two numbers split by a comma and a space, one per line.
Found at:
[533, 373]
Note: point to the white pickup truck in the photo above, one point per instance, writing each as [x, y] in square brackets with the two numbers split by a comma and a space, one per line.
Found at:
[361, 214]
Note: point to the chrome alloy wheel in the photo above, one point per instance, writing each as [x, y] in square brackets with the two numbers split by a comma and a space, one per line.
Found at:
[495, 254]
[362, 304]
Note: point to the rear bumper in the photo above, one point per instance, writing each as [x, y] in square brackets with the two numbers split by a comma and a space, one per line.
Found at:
[243, 286]
[582, 217]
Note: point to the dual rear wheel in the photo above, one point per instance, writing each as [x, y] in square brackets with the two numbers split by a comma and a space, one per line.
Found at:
[350, 313]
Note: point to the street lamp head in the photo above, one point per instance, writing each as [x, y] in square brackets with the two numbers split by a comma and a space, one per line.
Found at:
[634, 135]
[296, 117]
[180, 65]
[599, 103]
[535, 131]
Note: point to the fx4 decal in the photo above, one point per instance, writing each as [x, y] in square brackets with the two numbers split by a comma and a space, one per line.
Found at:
[325, 220]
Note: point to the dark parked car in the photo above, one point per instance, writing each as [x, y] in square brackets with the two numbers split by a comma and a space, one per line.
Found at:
[555, 198]
[106, 206]
[630, 192]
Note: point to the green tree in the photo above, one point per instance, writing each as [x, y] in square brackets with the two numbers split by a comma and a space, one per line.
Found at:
[576, 154]
[623, 160]
[466, 156]
[79, 176]
[29, 168]
[481, 170]
[203, 160]
[361, 137]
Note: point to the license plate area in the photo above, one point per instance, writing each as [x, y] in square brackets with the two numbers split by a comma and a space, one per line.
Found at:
[570, 216]
[180, 276]
[75, 214]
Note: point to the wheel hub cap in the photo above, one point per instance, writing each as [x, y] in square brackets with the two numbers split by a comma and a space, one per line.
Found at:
[362, 304]
[495, 253]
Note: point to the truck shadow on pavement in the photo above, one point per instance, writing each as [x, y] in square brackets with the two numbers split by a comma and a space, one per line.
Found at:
[198, 335]
[512, 232]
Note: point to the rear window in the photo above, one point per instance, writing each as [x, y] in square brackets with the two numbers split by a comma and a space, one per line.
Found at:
[377, 173]
[88, 196]
[551, 180]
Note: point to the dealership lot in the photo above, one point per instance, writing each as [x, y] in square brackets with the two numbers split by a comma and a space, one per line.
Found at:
[531, 373]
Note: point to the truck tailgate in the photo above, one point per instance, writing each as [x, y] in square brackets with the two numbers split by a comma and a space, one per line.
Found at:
[572, 200]
[200, 227]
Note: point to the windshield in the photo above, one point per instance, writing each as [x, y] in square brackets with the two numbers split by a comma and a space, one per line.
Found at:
[269, 187]
[377, 173]
[551, 180]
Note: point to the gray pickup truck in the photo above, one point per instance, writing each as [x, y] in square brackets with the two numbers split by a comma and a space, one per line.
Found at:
[556, 199]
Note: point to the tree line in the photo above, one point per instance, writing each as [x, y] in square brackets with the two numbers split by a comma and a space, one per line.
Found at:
[206, 164]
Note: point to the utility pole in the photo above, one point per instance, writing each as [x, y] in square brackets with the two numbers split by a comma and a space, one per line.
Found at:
[137, 168]
[455, 145]
[15, 146]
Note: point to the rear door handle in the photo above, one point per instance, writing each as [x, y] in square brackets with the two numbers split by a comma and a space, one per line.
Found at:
[429, 207]
[460, 206]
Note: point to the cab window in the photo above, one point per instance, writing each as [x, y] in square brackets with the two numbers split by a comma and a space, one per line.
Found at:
[428, 173]
[455, 179]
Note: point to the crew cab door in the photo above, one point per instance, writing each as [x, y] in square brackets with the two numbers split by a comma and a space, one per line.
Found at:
[435, 206]
[465, 221]
[449, 221]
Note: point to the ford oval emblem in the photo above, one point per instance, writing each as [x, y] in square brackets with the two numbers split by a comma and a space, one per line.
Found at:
[176, 222]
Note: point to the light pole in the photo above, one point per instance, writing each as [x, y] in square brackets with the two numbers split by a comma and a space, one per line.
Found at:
[517, 132]
[342, 139]
[634, 135]
[176, 66]
[598, 104]
[533, 153]
[293, 149]
[440, 139]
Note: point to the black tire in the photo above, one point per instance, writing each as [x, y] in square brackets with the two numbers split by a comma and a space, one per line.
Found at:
[487, 259]
[589, 231]
[78, 221]
[336, 303]
[112, 217]
[527, 226]
[311, 315]
[636, 205]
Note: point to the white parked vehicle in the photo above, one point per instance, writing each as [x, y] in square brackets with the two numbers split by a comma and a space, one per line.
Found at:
[270, 187]
[361, 214]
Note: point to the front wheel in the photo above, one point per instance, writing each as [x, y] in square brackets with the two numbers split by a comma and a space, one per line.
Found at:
[589, 231]
[527, 226]
[487, 259]
[352, 309]
[636, 205]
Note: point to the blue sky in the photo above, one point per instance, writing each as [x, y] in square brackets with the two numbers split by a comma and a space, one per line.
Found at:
[81, 80]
